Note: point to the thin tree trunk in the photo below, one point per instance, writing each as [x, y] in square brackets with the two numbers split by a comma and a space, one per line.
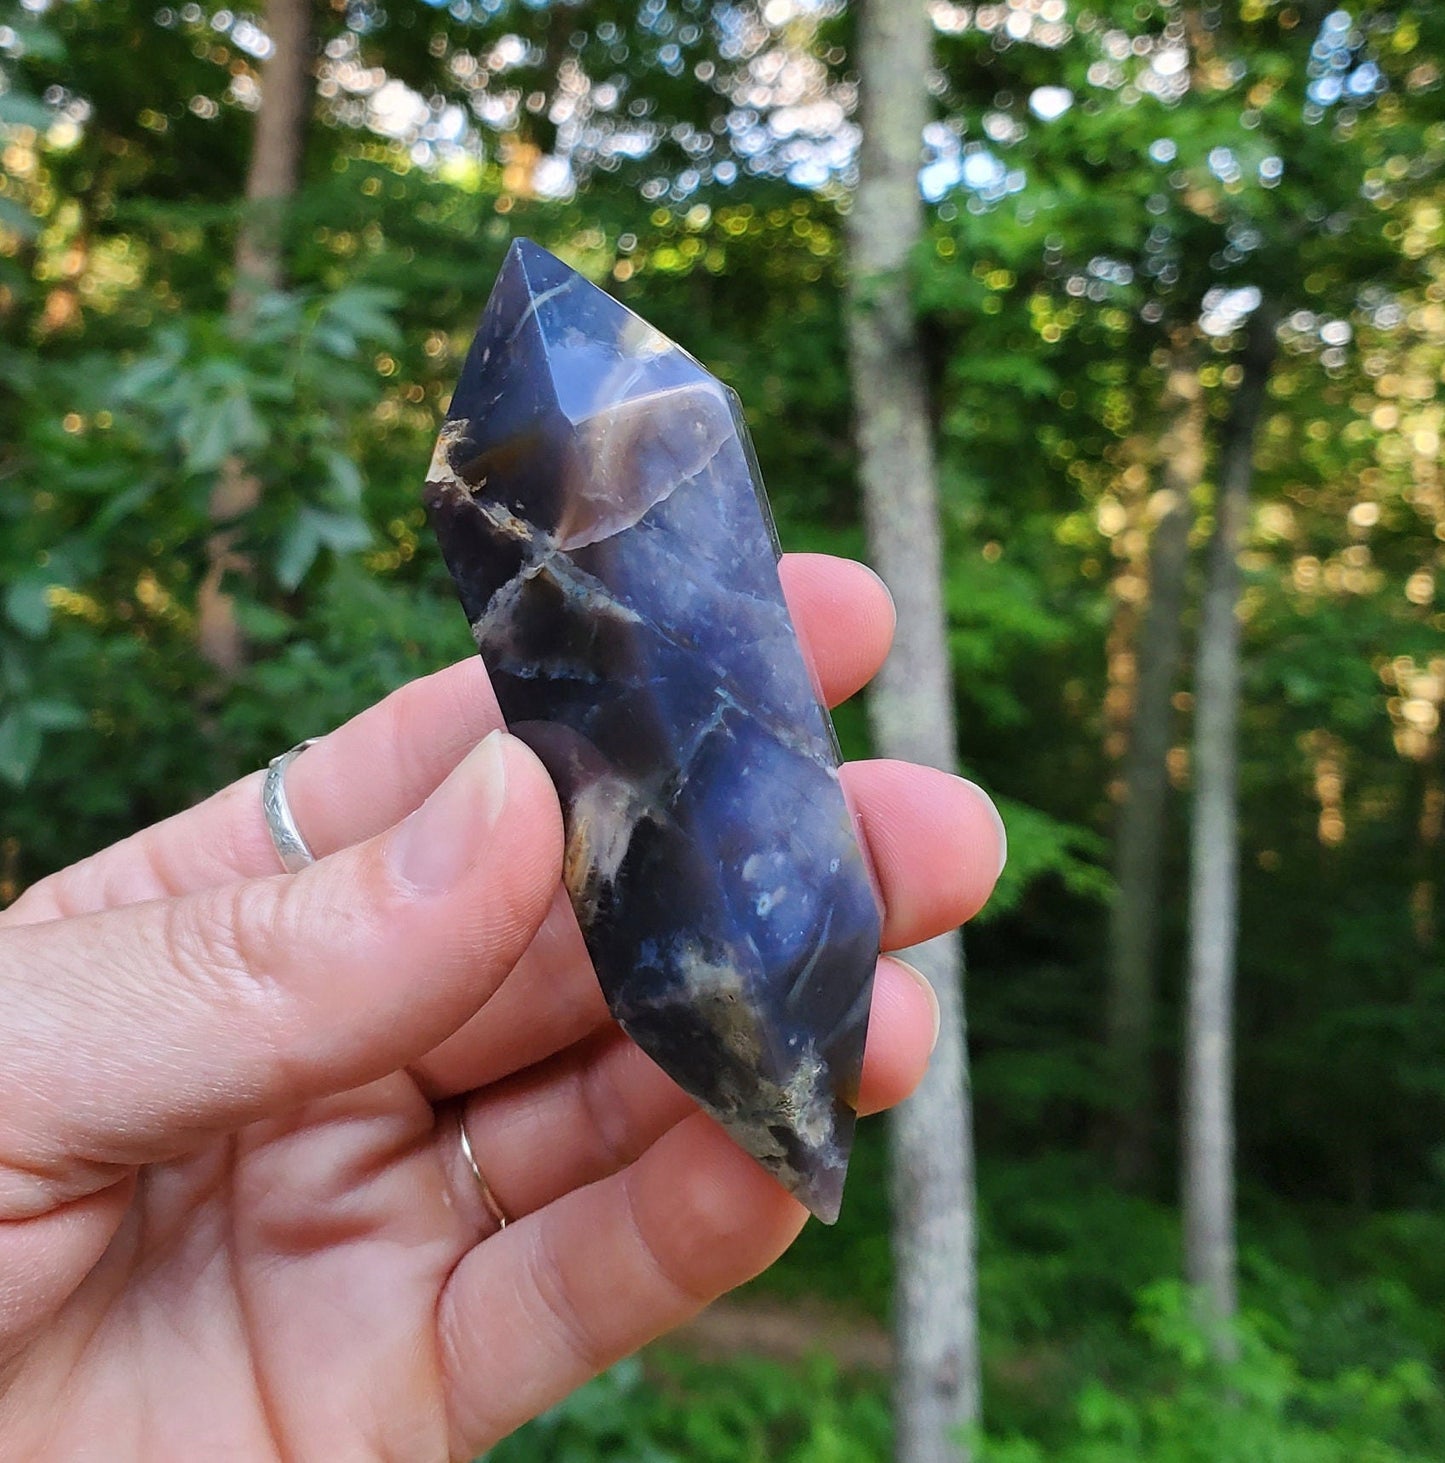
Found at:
[271, 178]
[1209, 1240]
[936, 1389]
[276, 148]
[1424, 915]
[1139, 839]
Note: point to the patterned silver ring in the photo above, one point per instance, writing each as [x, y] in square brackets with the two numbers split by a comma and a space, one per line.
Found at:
[489, 1199]
[291, 846]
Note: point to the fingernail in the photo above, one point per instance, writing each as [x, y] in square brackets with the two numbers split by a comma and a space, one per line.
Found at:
[927, 987]
[992, 807]
[438, 843]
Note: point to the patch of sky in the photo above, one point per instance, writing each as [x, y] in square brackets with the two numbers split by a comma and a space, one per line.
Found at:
[1225, 310]
[1336, 68]
[1048, 103]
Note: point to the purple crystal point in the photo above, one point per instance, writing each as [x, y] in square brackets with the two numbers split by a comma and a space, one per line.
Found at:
[600, 509]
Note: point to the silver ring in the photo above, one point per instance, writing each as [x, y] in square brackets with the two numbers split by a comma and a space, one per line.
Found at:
[291, 847]
[489, 1199]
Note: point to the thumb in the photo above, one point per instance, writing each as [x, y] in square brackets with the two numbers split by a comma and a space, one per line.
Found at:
[131, 1034]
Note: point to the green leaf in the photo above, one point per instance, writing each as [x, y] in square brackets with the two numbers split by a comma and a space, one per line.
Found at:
[217, 427]
[27, 605]
[342, 533]
[261, 624]
[40, 42]
[299, 546]
[52, 715]
[19, 110]
[146, 377]
[19, 746]
[122, 505]
[17, 219]
[362, 313]
[310, 532]
[345, 477]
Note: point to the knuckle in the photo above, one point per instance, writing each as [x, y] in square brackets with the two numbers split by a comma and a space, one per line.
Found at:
[402, 737]
[546, 1274]
[41, 901]
[222, 947]
[603, 1111]
[670, 1273]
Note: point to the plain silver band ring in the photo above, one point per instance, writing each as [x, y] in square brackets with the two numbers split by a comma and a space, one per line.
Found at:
[291, 847]
[489, 1199]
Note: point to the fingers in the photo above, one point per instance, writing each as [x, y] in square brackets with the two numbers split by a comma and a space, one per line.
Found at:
[366, 775]
[549, 1001]
[844, 616]
[536, 1310]
[593, 1109]
[936, 844]
[129, 1035]
[636, 1212]
[903, 1023]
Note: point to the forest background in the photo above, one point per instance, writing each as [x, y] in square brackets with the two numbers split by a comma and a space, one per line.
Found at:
[215, 416]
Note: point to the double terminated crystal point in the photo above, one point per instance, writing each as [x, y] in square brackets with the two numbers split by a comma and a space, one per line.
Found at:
[600, 509]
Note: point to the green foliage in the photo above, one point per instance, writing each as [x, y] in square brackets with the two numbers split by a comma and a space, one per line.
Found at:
[1259, 1407]
[676, 1410]
[1089, 1346]
[120, 454]
[1087, 1363]
[1040, 846]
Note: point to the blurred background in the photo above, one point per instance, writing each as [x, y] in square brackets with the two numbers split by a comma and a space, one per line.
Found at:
[1170, 283]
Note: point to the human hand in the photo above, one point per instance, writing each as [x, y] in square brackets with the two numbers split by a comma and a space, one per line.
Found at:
[235, 1216]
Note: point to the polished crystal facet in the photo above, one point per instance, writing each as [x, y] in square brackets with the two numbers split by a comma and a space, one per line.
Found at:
[600, 509]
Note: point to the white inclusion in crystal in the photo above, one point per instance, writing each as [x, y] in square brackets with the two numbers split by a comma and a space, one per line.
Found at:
[809, 1102]
[766, 903]
[800, 1100]
[605, 815]
[538, 301]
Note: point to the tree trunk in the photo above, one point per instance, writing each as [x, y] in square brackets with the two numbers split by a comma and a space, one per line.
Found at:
[1209, 1244]
[1424, 916]
[271, 177]
[911, 714]
[276, 149]
[1139, 837]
